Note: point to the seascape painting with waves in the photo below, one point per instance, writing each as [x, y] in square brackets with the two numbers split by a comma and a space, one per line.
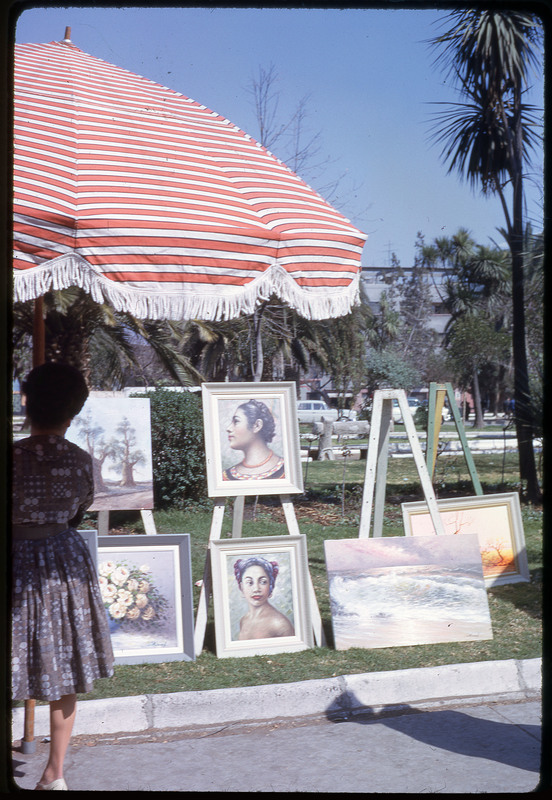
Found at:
[395, 591]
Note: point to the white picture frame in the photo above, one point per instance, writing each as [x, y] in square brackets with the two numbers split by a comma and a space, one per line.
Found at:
[91, 540]
[495, 518]
[287, 624]
[163, 562]
[262, 418]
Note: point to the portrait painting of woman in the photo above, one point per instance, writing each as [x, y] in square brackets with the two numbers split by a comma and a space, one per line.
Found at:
[256, 579]
[251, 429]
[261, 595]
[251, 438]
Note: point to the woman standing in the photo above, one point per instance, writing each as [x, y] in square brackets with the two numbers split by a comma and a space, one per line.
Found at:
[60, 635]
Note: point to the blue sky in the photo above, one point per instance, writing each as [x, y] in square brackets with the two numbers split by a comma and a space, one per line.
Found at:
[370, 81]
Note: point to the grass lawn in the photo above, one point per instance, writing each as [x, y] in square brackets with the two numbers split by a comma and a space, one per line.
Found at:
[329, 509]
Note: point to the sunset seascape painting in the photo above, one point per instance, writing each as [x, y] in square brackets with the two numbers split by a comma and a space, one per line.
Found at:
[395, 591]
[494, 518]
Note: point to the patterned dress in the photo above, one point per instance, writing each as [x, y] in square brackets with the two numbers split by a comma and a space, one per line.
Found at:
[60, 634]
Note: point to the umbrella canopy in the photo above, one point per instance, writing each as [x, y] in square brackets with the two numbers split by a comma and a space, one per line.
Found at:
[165, 209]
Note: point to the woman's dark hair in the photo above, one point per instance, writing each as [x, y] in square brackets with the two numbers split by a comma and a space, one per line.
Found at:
[254, 410]
[270, 567]
[53, 393]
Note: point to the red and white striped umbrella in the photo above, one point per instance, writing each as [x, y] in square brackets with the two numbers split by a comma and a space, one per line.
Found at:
[165, 209]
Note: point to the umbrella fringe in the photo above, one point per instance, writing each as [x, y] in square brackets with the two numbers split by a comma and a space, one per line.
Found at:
[73, 270]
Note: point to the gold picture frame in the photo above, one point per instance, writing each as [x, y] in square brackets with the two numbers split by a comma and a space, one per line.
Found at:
[495, 518]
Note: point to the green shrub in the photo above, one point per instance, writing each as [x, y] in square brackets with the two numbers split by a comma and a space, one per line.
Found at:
[178, 451]
[420, 417]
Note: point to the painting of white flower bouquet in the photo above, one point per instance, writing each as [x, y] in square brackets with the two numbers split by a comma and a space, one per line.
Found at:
[130, 595]
[146, 587]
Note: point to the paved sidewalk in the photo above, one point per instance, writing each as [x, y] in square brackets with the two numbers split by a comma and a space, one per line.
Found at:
[485, 748]
[367, 732]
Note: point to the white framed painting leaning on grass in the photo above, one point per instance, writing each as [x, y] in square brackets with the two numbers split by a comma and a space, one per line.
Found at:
[251, 439]
[146, 588]
[261, 597]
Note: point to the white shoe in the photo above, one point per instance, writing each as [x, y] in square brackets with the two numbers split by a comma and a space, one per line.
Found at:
[59, 783]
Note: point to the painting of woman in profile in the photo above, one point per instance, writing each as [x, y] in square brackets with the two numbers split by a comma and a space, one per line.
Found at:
[251, 429]
[251, 439]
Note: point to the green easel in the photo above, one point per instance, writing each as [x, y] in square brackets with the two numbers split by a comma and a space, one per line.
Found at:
[437, 392]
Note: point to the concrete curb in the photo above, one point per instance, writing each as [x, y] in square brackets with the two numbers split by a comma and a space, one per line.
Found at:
[377, 692]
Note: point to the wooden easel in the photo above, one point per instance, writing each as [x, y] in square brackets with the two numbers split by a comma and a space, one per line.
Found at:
[437, 392]
[377, 458]
[147, 519]
[206, 587]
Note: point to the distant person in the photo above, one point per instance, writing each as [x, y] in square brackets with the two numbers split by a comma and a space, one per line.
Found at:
[251, 429]
[256, 578]
[60, 634]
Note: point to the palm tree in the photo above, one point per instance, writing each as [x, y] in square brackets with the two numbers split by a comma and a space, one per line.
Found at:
[98, 340]
[487, 139]
[259, 346]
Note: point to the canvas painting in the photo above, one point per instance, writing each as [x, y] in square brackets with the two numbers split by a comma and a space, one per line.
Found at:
[251, 439]
[116, 431]
[495, 519]
[146, 587]
[397, 591]
[260, 595]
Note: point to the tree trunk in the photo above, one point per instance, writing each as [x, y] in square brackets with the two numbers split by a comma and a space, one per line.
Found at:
[97, 464]
[479, 420]
[523, 410]
[259, 355]
[127, 473]
[325, 448]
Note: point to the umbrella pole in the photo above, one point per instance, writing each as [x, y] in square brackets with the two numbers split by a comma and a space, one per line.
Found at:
[39, 336]
[28, 744]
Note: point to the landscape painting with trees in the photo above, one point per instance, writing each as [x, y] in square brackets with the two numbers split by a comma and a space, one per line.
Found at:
[116, 431]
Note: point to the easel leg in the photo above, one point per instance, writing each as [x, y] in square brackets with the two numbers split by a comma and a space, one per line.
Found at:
[237, 517]
[415, 446]
[293, 529]
[103, 523]
[434, 419]
[381, 468]
[464, 440]
[371, 468]
[149, 522]
[203, 604]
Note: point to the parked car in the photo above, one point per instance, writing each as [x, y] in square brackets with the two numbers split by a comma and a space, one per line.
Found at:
[413, 404]
[315, 410]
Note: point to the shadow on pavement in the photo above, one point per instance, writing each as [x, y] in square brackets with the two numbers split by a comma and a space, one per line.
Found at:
[516, 745]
